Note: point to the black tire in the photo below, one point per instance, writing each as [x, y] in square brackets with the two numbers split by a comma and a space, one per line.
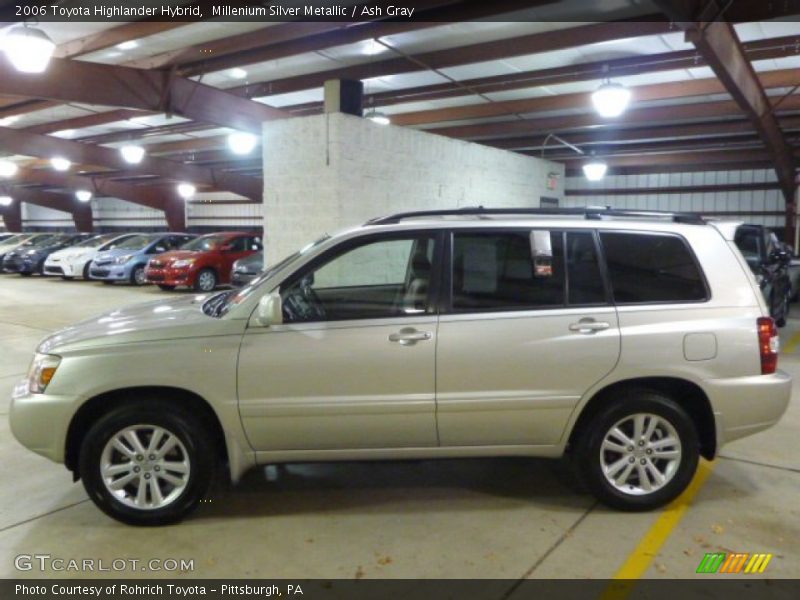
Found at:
[137, 275]
[25, 273]
[192, 432]
[86, 271]
[206, 275]
[590, 438]
[165, 287]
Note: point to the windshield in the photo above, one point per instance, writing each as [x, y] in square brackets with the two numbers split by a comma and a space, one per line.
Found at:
[137, 242]
[747, 242]
[205, 243]
[94, 242]
[38, 240]
[219, 305]
[116, 240]
[14, 239]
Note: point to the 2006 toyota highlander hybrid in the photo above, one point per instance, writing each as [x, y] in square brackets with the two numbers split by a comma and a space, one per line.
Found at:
[633, 342]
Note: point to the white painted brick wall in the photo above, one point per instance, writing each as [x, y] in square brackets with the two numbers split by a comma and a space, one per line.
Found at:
[326, 172]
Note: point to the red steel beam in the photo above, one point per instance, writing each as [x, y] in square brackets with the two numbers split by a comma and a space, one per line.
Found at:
[719, 45]
[111, 85]
[33, 144]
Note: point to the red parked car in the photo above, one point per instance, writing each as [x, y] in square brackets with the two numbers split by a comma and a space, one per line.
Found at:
[204, 263]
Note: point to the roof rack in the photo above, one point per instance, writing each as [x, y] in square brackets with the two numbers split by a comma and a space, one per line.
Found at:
[587, 212]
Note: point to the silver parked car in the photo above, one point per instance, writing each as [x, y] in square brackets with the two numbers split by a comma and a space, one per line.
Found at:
[634, 343]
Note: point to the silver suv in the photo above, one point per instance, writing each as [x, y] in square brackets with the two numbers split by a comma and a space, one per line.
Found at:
[633, 342]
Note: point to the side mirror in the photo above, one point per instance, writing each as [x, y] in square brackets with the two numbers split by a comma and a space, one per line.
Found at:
[270, 310]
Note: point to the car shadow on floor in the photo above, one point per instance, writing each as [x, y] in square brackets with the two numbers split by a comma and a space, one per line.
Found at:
[398, 486]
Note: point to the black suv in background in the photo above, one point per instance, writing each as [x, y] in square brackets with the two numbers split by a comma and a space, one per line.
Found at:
[769, 259]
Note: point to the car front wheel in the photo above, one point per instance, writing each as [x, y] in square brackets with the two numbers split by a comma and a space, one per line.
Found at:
[138, 276]
[638, 452]
[206, 281]
[147, 464]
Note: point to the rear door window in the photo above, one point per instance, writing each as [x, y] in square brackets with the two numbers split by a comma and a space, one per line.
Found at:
[651, 267]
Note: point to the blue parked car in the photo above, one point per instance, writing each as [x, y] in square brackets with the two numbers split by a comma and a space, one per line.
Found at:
[126, 261]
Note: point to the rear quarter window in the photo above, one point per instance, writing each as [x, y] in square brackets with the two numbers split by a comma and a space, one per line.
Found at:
[651, 268]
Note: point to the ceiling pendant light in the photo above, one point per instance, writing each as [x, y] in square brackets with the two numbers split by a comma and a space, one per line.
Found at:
[60, 164]
[242, 143]
[6, 200]
[595, 170]
[8, 169]
[29, 49]
[378, 117]
[611, 99]
[186, 190]
[83, 195]
[132, 154]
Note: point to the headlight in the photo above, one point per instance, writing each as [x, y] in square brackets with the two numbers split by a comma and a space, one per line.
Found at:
[121, 260]
[31, 252]
[41, 372]
[179, 264]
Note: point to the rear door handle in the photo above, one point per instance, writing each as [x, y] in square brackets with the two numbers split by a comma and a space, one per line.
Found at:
[589, 325]
[409, 336]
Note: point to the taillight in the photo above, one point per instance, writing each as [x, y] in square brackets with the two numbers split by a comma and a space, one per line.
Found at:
[768, 344]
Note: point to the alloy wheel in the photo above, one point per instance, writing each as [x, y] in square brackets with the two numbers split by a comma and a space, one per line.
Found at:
[205, 281]
[145, 467]
[640, 454]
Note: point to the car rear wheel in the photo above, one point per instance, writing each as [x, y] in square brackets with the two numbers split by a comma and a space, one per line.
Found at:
[86, 270]
[138, 276]
[147, 464]
[165, 287]
[639, 452]
[206, 281]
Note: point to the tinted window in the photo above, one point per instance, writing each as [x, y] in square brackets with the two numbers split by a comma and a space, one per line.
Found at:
[384, 278]
[237, 245]
[583, 270]
[205, 243]
[651, 268]
[494, 271]
[254, 243]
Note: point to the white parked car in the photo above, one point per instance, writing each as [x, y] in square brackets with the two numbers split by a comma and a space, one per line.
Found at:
[74, 261]
[634, 343]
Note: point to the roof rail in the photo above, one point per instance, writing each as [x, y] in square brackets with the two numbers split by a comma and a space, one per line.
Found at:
[589, 212]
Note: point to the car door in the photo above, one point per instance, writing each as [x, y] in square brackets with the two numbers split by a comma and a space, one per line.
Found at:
[523, 336]
[353, 364]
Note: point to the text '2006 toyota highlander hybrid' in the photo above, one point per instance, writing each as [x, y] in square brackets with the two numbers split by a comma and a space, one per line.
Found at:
[635, 343]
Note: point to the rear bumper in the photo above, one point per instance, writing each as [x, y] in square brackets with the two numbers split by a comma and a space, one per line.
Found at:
[746, 405]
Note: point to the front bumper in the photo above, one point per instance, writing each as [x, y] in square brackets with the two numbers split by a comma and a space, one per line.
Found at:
[746, 405]
[39, 421]
[241, 278]
[110, 272]
[63, 268]
[12, 264]
[168, 276]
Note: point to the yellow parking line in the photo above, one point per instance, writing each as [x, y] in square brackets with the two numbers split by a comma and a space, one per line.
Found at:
[792, 344]
[640, 559]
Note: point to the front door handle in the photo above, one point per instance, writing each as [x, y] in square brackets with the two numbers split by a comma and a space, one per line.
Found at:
[589, 325]
[409, 336]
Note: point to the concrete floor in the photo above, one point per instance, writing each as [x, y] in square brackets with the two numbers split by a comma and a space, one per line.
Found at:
[510, 518]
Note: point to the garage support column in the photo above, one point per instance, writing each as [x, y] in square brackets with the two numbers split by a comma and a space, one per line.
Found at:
[792, 233]
[12, 217]
[326, 172]
[344, 96]
[175, 213]
[82, 215]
